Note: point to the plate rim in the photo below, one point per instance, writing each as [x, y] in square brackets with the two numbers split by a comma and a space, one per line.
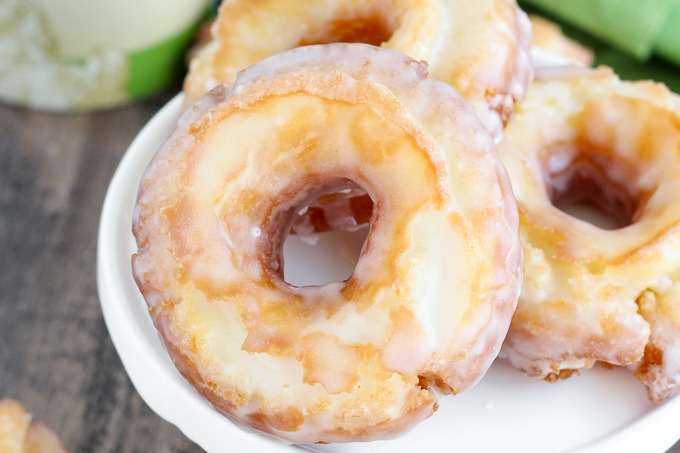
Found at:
[134, 359]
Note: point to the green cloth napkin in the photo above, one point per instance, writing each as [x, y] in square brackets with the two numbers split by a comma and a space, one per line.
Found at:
[639, 28]
[639, 39]
[668, 42]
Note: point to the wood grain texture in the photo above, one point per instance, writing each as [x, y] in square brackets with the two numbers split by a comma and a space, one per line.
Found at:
[56, 357]
[55, 353]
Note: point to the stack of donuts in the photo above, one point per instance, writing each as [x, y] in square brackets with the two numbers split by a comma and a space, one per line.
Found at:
[421, 119]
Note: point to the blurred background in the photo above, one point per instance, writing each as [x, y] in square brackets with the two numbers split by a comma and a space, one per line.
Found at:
[78, 80]
[639, 39]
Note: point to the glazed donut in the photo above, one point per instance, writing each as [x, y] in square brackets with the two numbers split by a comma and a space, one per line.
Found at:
[548, 35]
[481, 48]
[19, 434]
[433, 292]
[608, 293]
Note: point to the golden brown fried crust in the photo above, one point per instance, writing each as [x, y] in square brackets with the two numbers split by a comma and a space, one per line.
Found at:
[484, 54]
[653, 358]
[338, 362]
[560, 375]
[548, 35]
[590, 293]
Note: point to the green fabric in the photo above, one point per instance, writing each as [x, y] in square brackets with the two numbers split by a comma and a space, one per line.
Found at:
[668, 42]
[630, 69]
[628, 66]
[156, 67]
[632, 26]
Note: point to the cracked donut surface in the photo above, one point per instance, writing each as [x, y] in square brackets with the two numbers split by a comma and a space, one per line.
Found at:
[481, 48]
[433, 292]
[607, 293]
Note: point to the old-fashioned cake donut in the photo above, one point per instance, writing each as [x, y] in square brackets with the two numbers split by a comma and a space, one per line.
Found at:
[480, 47]
[433, 292]
[608, 293]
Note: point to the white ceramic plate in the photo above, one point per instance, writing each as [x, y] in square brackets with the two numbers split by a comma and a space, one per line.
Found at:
[599, 411]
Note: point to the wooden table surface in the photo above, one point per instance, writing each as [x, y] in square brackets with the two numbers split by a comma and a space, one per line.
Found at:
[56, 357]
[55, 353]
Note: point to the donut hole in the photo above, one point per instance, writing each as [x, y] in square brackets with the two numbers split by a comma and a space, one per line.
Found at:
[368, 28]
[594, 190]
[327, 238]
